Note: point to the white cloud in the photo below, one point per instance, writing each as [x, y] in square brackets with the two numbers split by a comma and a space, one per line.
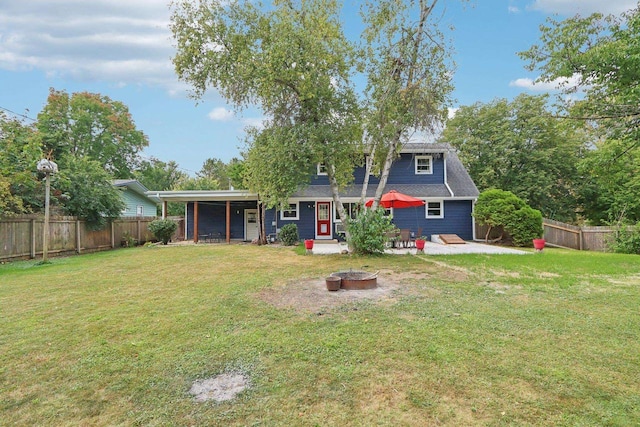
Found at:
[221, 114]
[538, 86]
[582, 7]
[513, 9]
[125, 43]
[452, 112]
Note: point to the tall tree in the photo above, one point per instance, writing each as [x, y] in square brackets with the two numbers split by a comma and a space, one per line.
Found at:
[158, 175]
[85, 190]
[409, 71]
[221, 172]
[599, 57]
[291, 59]
[520, 146]
[20, 189]
[89, 125]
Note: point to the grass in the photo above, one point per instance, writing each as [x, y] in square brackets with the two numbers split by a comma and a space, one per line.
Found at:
[117, 338]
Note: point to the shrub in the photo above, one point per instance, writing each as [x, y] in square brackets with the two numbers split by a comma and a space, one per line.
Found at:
[526, 225]
[163, 229]
[625, 240]
[289, 235]
[498, 208]
[367, 232]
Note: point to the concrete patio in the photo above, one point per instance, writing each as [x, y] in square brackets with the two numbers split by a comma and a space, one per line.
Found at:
[431, 248]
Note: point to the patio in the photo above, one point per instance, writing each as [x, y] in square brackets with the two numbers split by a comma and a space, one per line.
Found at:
[430, 248]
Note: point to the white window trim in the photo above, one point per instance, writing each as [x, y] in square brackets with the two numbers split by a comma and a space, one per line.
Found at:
[139, 210]
[419, 172]
[336, 217]
[288, 218]
[426, 209]
[319, 166]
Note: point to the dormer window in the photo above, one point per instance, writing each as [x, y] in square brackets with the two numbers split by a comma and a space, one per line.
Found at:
[424, 165]
[322, 169]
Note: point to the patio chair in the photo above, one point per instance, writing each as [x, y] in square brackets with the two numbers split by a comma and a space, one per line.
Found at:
[405, 237]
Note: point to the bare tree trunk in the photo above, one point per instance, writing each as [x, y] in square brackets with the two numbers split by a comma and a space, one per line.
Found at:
[335, 193]
[384, 176]
[367, 174]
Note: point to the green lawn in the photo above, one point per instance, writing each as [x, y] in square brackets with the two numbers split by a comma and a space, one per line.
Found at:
[117, 338]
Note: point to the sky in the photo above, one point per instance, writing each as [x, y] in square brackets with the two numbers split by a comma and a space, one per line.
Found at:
[123, 50]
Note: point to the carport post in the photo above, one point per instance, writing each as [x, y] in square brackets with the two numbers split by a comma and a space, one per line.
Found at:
[228, 221]
[195, 222]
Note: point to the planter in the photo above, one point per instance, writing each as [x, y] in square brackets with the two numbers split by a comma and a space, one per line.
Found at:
[333, 283]
[420, 244]
[308, 244]
[538, 244]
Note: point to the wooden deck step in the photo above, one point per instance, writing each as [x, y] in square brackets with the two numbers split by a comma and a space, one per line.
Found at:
[451, 239]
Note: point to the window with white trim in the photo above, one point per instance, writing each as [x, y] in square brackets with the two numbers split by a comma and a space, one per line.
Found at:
[322, 169]
[424, 165]
[350, 208]
[291, 212]
[434, 209]
[140, 210]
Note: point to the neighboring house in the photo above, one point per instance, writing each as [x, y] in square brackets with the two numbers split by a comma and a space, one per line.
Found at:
[136, 199]
[431, 172]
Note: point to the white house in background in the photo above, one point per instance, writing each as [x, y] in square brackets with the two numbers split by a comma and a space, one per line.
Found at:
[137, 201]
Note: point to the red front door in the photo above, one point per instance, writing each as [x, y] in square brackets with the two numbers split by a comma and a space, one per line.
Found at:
[323, 219]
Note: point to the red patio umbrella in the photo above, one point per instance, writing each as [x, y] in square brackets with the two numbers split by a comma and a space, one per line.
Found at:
[394, 199]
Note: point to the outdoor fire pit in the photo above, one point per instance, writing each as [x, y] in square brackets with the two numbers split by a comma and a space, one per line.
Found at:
[353, 280]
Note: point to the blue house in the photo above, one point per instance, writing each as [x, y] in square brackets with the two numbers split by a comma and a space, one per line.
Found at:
[431, 172]
[137, 202]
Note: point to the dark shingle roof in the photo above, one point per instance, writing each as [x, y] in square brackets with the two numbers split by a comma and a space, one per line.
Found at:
[458, 179]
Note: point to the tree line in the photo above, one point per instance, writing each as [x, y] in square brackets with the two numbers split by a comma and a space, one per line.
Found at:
[330, 98]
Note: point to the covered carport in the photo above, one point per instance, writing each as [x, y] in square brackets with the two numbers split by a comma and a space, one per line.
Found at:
[199, 197]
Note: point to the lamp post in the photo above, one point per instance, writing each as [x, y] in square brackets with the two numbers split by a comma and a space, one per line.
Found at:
[48, 167]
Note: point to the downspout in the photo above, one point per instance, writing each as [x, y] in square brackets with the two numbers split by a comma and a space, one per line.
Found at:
[473, 218]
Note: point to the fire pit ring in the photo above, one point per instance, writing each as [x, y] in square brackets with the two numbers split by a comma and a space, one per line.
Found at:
[356, 280]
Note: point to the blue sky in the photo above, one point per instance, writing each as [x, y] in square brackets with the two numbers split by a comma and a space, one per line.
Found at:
[123, 49]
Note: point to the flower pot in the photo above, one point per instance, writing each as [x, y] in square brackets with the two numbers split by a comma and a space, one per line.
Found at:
[308, 244]
[538, 244]
[420, 244]
[333, 283]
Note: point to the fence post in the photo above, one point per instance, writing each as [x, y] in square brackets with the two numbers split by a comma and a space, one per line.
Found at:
[78, 239]
[581, 239]
[138, 231]
[113, 235]
[32, 248]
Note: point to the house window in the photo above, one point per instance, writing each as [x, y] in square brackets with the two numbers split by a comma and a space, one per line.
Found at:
[322, 169]
[140, 210]
[435, 209]
[350, 208]
[290, 212]
[424, 165]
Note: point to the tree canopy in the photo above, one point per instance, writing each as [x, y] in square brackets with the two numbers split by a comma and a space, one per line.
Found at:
[20, 189]
[89, 125]
[522, 147]
[598, 57]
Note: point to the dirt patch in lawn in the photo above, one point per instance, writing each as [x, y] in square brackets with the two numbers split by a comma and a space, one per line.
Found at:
[311, 295]
[220, 388]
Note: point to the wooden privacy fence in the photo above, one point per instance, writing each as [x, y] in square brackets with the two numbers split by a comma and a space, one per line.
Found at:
[21, 237]
[569, 236]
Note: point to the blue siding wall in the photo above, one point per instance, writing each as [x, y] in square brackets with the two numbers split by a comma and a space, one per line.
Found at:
[132, 200]
[212, 216]
[457, 220]
[306, 224]
[403, 171]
